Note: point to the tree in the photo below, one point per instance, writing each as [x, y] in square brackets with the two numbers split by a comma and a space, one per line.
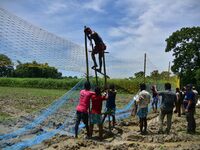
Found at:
[155, 74]
[6, 66]
[164, 74]
[185, 45]
[36, 70]
[139, 74]
[197, 77]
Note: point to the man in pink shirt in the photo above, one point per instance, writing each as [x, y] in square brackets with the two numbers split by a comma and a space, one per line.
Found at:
[82, 108]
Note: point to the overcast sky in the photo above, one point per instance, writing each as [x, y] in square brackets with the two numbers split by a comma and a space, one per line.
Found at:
[129, 28]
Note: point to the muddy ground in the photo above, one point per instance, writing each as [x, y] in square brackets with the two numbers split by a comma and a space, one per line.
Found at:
[126, 136]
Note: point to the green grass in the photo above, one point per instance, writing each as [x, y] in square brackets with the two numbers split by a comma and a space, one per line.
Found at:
[4, 116]
[123, 99]
[32, 94]
[39, 83]
[28, 99]
[122, 85]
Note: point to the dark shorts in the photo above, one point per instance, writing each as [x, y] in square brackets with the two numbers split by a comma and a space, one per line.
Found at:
[99, 48]
[82, 116]
[142, 112]
[110, 111]
[155, 101]
[96, 119]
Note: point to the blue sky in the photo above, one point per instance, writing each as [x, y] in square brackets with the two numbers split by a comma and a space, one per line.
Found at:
[129, 28]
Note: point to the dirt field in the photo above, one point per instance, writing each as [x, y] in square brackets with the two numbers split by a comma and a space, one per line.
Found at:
[125, 136]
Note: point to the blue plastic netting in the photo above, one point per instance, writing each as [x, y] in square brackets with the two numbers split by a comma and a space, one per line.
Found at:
[46, 116]
[67, 127]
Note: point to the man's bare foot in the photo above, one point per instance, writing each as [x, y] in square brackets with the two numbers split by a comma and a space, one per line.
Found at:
[94, 67]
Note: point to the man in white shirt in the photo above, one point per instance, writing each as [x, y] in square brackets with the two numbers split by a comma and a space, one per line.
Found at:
[142, 105]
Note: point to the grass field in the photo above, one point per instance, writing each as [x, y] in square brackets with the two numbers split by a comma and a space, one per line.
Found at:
[122, 85]
[14, 100]
[46, 83]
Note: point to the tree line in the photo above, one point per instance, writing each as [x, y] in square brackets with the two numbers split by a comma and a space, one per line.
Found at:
[29, 69]
[155, 75]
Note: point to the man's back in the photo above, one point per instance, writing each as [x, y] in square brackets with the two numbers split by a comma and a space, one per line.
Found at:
[110, 103]
[97, 39]
[168, 100]
[84, 100]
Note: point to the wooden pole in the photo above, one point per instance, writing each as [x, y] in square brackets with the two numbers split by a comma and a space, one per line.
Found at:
[87, 73]
[96, 76]
[86, 55]
[104, 67]
[169, 68]
[145, 61]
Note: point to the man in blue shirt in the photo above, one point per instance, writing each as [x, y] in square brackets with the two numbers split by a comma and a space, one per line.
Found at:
[189, 104]
[110, 103]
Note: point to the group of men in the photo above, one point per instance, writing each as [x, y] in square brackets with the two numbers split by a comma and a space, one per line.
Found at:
[169, 101]
[185, 99]
[84, 113]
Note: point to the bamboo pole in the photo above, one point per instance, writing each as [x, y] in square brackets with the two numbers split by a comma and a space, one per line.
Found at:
[104, 67]
[169, 68]
[96, 76]
[145, 61]
[86, 55]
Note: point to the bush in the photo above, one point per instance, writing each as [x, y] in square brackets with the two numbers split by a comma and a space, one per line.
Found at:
[39, 83]
[132, 86]
[122, 85]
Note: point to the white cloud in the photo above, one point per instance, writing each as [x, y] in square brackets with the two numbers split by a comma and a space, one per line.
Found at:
[137, 26]
[95, 5]
[156, 20]
[55, 7]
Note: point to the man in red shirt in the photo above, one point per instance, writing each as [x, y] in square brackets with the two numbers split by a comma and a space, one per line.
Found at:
[82, 108]
[96, 111]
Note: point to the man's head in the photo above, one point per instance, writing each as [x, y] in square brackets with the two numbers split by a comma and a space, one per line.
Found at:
[184, 89]
[153, 87]
[98, 91]
[188, 87]
[177, 90]
[88, 30]
[112, 87]
[167, 86]
[87, 85]
[142, 86]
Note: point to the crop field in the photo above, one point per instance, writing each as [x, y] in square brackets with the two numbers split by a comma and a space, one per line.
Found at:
[16, 101]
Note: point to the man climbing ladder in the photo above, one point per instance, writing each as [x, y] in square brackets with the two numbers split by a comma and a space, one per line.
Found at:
[99, 47]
